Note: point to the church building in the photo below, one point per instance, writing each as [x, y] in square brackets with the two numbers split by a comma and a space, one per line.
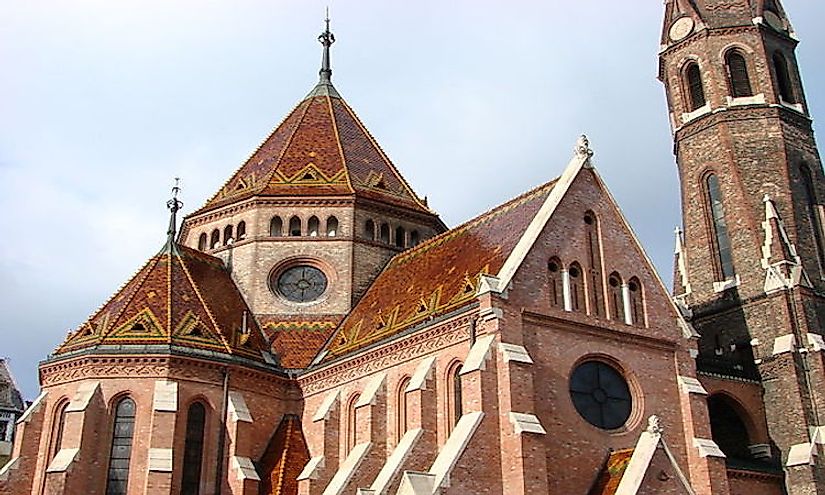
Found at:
[315, 328]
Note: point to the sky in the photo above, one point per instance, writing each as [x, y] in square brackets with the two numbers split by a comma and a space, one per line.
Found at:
[103, 103]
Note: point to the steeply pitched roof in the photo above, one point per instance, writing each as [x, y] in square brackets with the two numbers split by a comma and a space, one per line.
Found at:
[297, 339]
[180, 297]
[284, 458]
[12, 400]
[321, 148]
[437, 276]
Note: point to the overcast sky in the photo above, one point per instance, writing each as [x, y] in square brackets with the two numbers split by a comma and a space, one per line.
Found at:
[102, 103]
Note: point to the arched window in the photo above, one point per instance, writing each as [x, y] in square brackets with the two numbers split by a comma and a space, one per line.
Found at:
[695, 88]
[556, 284]
[313, 226]
[294, 226]
[815, 222]
[738, 79]
[783, 78]
[576, 288]
[193, 449]
[241, 230]
[455, 407]
[728, 428]
[401, 409]
[637, 308]
[616, 298]
[400, 237]
[202, 242]
[227, 235]
[369, 230]
[122, 431]
[594, 261]
[415, 238]
[332, 227]
[215, 241]
[385, 233]
[721, 240]
[276, 227]
[58, 423]
[352, 422]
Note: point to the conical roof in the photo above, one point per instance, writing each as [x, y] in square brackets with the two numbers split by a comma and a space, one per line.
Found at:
[321, 148]
[181, 298]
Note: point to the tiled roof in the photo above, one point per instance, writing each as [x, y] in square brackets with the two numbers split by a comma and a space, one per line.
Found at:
[284, 458]
[437, 276]
[12, 400]
[180, 297]
[297, 339]
[611, 474]
[321, 148]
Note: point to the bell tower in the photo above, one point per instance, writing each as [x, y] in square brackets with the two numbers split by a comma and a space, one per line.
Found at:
[750, 267]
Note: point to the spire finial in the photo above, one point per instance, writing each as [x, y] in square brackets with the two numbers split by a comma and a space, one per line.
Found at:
[174, 206]
[327, 39]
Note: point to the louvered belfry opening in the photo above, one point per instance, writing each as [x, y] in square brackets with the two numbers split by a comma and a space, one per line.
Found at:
[696, 91]
[740, 83]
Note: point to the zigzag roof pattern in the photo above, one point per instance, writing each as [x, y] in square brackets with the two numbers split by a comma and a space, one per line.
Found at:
[320, 149]
[438, 276]
[180, 297]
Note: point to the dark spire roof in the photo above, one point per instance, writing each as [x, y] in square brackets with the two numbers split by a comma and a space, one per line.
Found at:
[324, 86]
[174, 206]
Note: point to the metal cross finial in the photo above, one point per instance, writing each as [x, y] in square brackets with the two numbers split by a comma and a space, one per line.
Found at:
[326, 39]
[174, 206]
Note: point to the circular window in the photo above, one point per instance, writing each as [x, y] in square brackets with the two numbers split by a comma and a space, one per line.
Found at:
[601, 395]
[301, 283]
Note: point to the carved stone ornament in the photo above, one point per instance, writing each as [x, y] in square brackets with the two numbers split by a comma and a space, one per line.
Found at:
[654, 426]
[583, 147]
[681, 29]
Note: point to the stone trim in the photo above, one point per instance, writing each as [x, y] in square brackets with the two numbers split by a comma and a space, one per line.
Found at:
[350, 465]
[708, 448]
[454, 448]
[801, 454]
[423, 371]
[514, 353]
[165, 398]
[371, 391]
[62, 461]
[395, 461]
[160, 460]
[33, 408]
[312, 468]
[237, 408]
[478, 354]
[690, 385]
[245, 468]
[416, 483]
[816, 342]
[783, 344]
[326, 406]
[526, 423]
[6, 470]
[83, 396]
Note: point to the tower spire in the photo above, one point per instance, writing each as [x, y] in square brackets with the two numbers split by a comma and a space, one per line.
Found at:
[326, 39]
[174, 206]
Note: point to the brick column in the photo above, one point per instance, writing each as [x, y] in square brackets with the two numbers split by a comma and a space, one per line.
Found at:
[324, 461]
[162, 439]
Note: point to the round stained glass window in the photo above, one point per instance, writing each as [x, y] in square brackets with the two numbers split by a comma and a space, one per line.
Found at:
[301, 283]
[601, 395]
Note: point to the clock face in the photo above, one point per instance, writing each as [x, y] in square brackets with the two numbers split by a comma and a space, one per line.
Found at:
[681, 28]
[301, 283]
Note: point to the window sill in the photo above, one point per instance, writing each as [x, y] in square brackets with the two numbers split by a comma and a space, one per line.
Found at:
[746, 100]
[726, 284]
[687, 117]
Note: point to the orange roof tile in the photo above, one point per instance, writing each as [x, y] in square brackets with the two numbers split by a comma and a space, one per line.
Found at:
[180, 297]
[611, 474]
[321, 148]
[437, 276]
[297, 339]
[284, 458]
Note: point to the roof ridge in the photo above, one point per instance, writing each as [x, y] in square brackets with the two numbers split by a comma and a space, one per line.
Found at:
[205, 306]
[386, 158]
[471, 222]
[156, 260]
[338, 141]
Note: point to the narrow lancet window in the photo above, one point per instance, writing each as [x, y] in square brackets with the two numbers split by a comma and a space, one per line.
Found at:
[385, 233]
[295, 226]
[193, 449]
[815, 221]
[401, 413]
[313, 226]
[594, 262]
[332, 227]
[637, 309]
[369, 230]
[616, 297]
[215, 240]
[576, 288]
[783, 78]
[121, 452]
[695, 88]
[721, 239]
[454, 398]
[400, 237]
[740, 83]
[228, 235]
[202, 242]
[556, 283]
[241, 230]
[276, 227]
